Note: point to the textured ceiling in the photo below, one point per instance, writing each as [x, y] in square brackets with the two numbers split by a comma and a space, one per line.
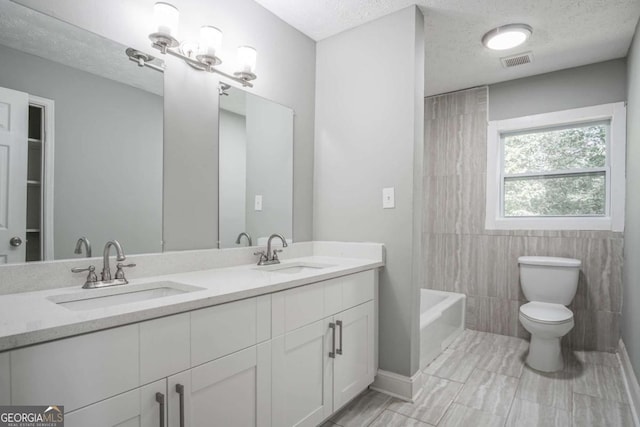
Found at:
[40, 35]
[566, 33]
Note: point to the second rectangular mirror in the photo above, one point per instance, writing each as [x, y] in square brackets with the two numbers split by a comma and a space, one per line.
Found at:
[256, 169]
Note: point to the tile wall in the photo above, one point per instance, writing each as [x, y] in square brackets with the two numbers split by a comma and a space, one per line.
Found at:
[461, 256]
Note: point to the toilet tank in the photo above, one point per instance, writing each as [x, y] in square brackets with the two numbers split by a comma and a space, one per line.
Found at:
[549, 279]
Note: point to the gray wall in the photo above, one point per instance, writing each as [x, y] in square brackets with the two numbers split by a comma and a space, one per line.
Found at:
[461, 256]
[368, 122]
[286, 74]
[108, 153]
[269, 167]
[233, 177]
[593, 84]
[631, 288]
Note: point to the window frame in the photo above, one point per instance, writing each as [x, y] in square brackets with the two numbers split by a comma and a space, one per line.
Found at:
[614, 169]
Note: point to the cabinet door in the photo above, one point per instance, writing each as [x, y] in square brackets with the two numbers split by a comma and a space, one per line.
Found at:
[353, 368]
[234, 390]
[135, 408]
[302, 371]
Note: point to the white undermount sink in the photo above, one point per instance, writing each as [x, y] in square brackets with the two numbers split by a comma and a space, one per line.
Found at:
[295, 267]
[122, 294]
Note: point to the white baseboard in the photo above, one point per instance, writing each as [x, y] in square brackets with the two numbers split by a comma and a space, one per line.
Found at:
[400, 386]
[630, 381]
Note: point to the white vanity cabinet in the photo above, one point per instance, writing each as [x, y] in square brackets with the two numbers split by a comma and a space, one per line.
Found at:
[323, 347]
[263, 361]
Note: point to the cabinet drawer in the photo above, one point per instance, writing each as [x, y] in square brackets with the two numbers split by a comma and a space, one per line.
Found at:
[223, 329]
[297, 307]
[77, 371]
[345, 292]
[164, 347]
[294, 308]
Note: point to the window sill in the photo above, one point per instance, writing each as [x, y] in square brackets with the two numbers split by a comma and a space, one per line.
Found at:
[573, 223]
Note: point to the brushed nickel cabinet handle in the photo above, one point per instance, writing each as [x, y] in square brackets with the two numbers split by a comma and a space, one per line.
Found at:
[339, 323]
[160, 400]
[332, 353]
[180, 391]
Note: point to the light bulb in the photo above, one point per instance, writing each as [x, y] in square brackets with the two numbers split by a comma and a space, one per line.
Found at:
[210, 40]
[247, 59]
[166, 18]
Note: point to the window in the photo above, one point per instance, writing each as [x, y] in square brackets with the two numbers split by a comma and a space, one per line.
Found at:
[557, 171]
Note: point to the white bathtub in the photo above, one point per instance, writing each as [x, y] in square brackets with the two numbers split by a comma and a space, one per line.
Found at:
[441, 321]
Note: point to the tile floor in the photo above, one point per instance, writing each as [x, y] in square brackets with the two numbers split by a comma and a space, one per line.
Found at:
[481, 380]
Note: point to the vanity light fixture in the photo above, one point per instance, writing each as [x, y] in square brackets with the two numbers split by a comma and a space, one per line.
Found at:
[203, 54]
[507, 36]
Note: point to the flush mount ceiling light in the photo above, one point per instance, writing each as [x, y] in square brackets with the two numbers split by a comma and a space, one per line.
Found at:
[201, 54]
[507, 36]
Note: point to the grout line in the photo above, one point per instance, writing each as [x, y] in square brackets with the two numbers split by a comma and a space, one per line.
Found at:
[410, 417]
[604, 399]
[377, 416]
[513, 400]
[571, 380]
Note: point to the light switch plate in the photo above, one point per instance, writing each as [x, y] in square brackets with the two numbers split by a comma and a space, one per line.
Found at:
[388, 198]
[258, 202]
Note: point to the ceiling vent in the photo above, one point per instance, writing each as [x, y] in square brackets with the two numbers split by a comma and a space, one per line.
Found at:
[515, 60]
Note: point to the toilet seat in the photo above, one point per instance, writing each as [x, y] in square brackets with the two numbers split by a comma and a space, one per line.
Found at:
[547, 313]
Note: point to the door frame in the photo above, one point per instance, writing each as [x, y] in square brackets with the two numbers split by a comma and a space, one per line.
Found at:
[47, 174]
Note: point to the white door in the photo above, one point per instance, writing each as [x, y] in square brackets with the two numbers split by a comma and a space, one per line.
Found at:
[234, 390]
[14, 116]
[353, 369]
[302, 370]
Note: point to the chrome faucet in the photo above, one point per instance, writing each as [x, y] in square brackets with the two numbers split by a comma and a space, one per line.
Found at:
[271, 257]
[92, 279]
[83, 241]
[106, 270]
[249, 240]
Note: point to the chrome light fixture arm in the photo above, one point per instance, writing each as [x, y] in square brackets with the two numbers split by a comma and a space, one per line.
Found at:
[242, 77]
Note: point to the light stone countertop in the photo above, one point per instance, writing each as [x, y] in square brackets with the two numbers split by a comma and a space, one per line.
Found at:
[30, 317]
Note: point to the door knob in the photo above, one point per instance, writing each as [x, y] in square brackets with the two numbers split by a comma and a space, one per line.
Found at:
[15, 241]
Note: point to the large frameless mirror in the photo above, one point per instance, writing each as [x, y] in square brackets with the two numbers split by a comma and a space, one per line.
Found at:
[82, 156]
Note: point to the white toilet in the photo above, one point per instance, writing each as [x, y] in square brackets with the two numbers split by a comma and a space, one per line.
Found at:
[549, 283]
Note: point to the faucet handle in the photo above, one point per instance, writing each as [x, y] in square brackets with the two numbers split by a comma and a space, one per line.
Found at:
[120, 271]
[263, 257]
[274, 257]
[91, 277]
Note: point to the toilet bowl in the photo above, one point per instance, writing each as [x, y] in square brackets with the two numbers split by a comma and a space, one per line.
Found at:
[547, 323]
[549, 283]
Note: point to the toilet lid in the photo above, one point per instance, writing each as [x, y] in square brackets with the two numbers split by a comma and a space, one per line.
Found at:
[546, 312]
